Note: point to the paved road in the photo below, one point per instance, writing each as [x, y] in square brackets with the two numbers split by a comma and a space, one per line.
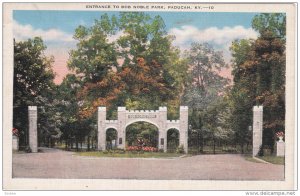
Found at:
[60, 164]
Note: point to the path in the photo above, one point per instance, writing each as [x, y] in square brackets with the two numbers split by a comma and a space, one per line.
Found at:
[61, 164]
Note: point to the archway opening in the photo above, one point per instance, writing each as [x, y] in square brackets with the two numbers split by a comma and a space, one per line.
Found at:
[111, 138]
[172, 140]
[142, 133]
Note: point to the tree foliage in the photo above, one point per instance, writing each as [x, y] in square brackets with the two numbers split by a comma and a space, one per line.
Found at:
[275, 23]
[259, 77]
[205, 88]
[33, 76]
[139, 72]
[206, 83]
[33, 81]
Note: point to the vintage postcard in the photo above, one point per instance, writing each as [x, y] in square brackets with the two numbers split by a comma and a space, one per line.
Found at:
[149, 96]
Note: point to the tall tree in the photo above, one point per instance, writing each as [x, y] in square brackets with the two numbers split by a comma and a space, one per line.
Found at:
[74, 128]
[33, 75]
[268, 57]
[94, 55]
[33, 81]
[134, 70]
[206, 82]
[206, 85]
[243, 91]
[259, 75]
[275, 23]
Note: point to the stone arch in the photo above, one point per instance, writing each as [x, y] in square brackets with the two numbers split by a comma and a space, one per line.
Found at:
[173, 139]
[111, 127]
[155, 117]
[111, 137]
[142, 121]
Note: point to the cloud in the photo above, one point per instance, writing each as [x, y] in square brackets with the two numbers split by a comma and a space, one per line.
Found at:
[23, 32]
[220, 38]
[187, 34]
[115, 37]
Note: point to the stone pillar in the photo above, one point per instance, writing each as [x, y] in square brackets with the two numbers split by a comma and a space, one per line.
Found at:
[183, 132]
[101, 128]
[15, 142]
[257, 128]
[280, 148]
[122, 127]
[32, 115]
[163, 111]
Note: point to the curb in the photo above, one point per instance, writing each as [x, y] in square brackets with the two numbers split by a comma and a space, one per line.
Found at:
[260, 160]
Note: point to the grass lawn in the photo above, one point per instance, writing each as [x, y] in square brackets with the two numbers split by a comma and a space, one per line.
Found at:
[268, 158]
[250, 158]
[273, 159]
[130, 155]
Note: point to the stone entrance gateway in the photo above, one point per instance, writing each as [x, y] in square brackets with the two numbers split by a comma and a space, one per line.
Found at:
[155, 117]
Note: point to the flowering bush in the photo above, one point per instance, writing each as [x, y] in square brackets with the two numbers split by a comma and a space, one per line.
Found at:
[144, 148]
[279, 134]
[15, 132]
[133, 148]
[140, 142]
[150, 149]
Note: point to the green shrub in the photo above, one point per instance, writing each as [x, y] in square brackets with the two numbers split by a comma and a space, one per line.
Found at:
[261, 151]
[28, 149]
[171, 150]
[193, 151]
[119, 151]
[105, 152]
[180, 149]
[229, 149]
[161, 150]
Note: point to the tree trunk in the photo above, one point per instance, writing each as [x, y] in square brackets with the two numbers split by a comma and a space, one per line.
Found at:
[88, 144]
[242, 146]
[198, 141]
[77, 146]
[202, 143]
[49, 142]
[214, 144]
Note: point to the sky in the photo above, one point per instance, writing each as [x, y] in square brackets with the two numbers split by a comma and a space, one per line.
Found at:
[57, 28]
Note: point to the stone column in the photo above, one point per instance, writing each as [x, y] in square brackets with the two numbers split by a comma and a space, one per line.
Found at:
[163, 111]
[15, 142]
[183, 132]
[122, 127]
[32, 115]
[280, 148]
[257, 128]
[101, 128]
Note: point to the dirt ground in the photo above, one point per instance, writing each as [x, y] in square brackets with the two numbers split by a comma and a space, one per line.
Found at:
[52, 163]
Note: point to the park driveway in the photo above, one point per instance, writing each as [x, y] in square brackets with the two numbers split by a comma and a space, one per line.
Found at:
[52, 163]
